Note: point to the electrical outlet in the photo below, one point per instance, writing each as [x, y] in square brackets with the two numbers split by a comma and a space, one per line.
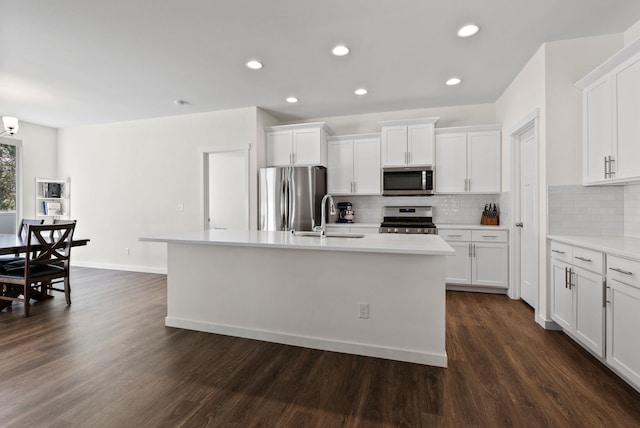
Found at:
[363, 310]
[126, 251]
[180, 207]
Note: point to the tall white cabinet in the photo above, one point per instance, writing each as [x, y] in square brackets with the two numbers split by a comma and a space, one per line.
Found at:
[468, 159]
[611, 129]
[407, 142]
[354, 165]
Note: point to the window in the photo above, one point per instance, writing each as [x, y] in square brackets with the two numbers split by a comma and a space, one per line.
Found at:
[8, 183]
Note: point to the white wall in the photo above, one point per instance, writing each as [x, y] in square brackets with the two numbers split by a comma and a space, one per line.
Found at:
[128, 178]
[477, 114]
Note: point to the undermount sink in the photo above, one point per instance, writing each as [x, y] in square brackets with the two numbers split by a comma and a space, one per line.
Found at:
[329, 234]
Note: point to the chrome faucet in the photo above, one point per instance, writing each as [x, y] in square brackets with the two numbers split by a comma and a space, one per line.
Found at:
[332, 211]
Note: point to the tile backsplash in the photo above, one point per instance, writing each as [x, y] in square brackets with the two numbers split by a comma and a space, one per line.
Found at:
[588, 211]
[447, 209]
[632, 210]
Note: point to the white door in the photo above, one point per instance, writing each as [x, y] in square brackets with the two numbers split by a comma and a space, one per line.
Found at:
[451, 163]
[394, 145]
[589, 310]
[279, 146]
[562, 295]
[366, 166]
[458, 267]
[228, 190]
[484, 162]
[598, 129]
[340, 167]
[528, 231]
[306, 146]
[489, 264]
[627, 157]
[420, 144]
[623, 318]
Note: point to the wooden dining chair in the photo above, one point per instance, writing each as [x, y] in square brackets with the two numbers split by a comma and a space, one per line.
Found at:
[46, 260]
[22, 233]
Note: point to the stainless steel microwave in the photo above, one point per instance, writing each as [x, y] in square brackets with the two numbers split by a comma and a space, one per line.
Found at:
[407, 181]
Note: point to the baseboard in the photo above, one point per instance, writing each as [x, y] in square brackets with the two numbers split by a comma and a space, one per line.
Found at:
[477, 289]
[547, 324]
[438, 360]
[128, 268]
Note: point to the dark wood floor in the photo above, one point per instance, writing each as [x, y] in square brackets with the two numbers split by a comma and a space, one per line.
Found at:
[108, 361]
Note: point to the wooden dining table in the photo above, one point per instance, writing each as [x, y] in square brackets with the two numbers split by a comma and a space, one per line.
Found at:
[14, 244]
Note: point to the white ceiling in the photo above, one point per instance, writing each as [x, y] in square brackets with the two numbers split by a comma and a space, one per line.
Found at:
[75, 62]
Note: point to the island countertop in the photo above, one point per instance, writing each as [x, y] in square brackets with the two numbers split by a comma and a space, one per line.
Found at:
[370, 243]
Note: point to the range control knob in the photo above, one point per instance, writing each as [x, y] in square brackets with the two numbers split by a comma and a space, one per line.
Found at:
[395, 230]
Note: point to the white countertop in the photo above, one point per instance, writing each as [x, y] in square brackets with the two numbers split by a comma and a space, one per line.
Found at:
[370, 243]
[376, 225]
[470, 226]
[615, 245]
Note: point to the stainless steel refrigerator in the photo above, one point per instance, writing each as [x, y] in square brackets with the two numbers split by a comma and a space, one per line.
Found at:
[290, 197]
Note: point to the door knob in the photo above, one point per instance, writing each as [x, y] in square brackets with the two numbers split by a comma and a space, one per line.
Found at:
[519, 224]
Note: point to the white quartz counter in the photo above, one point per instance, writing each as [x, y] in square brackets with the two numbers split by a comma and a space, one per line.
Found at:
[370, 243]
[470, 226]
[615, 245]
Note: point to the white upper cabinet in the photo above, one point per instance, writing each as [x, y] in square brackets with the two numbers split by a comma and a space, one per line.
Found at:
[303, 144]
[611, 129]
[407, 142]
[354, 165]
[468, 160]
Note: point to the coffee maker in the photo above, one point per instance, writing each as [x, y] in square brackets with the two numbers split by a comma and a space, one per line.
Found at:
[345, 212]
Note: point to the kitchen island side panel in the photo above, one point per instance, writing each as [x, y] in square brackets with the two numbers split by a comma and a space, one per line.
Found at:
[311, 298]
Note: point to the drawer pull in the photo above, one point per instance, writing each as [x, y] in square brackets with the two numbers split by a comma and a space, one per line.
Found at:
[558, 251]
[625, 272]
[454, 236]
[582, 258]
[489, 236]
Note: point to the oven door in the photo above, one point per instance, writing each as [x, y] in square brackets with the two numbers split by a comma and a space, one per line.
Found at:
[407, 181]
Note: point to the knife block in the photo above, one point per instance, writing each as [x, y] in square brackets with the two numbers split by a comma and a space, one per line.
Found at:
[493, 220]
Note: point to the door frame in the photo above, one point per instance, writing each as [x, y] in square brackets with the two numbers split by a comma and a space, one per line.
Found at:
[203, 154]
[529, 121]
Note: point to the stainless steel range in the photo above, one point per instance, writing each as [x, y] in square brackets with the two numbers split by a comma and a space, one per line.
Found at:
[408, 220]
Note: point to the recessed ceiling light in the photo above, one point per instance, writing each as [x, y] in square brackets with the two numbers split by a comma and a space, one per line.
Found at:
[361, 91]
[254, 65]
[340, 50]
[453, 81]
[468, 30]
[292, 100]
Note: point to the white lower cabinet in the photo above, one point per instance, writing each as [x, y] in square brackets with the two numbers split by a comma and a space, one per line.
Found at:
[577, 303]
[481, 259]
[623, 318]
[353, 228]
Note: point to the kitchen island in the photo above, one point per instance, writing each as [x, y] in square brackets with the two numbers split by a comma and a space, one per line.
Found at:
[382, 295]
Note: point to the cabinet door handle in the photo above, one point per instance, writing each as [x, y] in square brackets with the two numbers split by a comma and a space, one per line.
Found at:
[474, 250]
[582, 258]
[566, 277]
[572, 282]
[606, 164]
[409, 158]
[355, 187]
[625, 272]
[469, 250]
[611, 171]
[604, 293]
[558, 251]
